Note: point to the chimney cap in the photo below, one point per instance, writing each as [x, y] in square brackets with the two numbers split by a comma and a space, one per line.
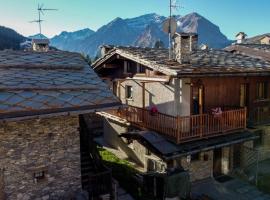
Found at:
[241, 34]
[40, 41]
[185, 34]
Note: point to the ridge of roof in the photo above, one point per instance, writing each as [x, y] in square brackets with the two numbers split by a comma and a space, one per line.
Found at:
[201, 61]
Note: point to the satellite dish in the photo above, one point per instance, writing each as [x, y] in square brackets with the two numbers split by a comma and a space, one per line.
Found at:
[169, 26]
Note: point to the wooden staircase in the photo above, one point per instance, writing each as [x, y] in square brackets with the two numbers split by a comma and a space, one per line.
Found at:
[96, 179]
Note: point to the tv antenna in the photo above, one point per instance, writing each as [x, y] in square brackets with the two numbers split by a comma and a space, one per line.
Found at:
[41, 11]
[170, 25]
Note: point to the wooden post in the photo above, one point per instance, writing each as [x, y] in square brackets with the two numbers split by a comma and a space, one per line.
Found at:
[143, 100]
[119, 90]
[201, 125]
[178, 129]
[143, 95]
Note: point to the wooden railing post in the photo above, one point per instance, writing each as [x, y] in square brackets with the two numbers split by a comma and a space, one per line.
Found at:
[201, 126]
[178, 128]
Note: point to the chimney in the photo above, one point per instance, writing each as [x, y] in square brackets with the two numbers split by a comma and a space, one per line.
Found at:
[184, 45]
[204, 47]
[105, 49]
[240, 37]
[40, 45]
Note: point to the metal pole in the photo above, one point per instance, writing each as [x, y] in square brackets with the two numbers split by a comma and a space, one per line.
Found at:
[39, 22]
[170, 56]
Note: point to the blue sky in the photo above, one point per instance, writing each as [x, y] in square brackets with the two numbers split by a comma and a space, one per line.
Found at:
[250, 16]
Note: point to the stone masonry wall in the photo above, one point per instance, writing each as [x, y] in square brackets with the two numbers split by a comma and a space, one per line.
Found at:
[264, 149]
[199, 169]
[45, 145]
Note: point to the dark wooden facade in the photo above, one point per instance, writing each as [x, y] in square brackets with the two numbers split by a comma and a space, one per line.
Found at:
[235, 92]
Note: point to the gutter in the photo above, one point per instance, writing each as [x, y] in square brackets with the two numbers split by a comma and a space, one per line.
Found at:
[57, 112]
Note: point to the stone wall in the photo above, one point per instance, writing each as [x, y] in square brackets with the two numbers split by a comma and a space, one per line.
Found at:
[201, 168]
[135, 151]
[264, 148]
[112, 131]
[50, 146]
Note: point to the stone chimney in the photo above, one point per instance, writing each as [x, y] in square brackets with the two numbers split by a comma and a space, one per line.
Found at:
[40, 45]
[184, 44]
[240, 37]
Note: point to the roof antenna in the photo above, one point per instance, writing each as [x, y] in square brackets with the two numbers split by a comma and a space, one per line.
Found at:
[170, 25]
[41, 10]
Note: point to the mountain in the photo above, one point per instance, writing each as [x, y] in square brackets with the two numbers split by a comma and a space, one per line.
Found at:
[208, 32]
[140, 23]
[150, 36]
[71, 40]
[10, 39]
[141, 31]
[117, 32]
[37, 36]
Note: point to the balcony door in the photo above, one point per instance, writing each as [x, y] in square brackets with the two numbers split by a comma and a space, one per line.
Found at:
[197, 99]
[244, 95]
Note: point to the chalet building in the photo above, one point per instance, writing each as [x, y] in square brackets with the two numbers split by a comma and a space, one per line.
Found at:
[43, 96]
[258, 47]
[192, 111]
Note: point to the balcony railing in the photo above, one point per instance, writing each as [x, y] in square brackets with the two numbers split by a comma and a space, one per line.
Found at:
[183, 129]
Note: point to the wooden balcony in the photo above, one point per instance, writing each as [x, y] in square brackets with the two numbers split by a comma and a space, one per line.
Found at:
[184, 129]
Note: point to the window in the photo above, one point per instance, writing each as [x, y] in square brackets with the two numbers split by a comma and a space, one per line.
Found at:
[262, 88]
[243, 95]
[195, 157]
[141, 69]
[127, 67]
[129, 92]
[39, 176]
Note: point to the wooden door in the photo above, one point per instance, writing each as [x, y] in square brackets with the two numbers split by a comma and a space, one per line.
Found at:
[114, 87]
[217, 168]
[197, 100]
[244, 95]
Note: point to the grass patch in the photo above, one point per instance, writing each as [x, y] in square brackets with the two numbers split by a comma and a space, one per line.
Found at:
[264, 183]
[122, 171]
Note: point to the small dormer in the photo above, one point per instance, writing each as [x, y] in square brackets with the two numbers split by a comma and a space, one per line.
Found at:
[240, 37]
[40, 45]
[265, 40]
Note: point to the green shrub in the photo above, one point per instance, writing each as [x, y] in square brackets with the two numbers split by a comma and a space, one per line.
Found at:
[122, 171]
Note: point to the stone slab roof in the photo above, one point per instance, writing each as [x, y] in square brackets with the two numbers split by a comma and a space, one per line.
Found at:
[202, 62]
[260, 51]
[256, 39]
[33, 83]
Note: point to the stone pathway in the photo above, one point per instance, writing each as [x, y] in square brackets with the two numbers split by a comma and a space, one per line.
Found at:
[247, 191]
[230, 190]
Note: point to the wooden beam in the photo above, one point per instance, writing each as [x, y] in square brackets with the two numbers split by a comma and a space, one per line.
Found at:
[143, 95]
